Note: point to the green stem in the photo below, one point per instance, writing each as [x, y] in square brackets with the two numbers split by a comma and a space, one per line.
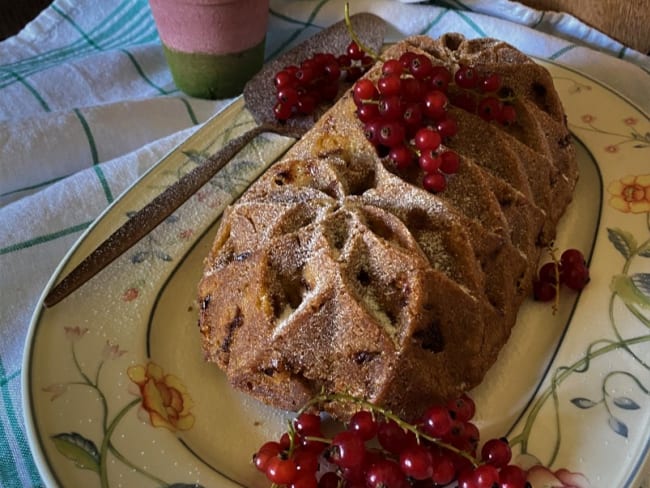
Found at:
[523, 438]
[344, 397]
[103, 465]
[127, 462]
[354, 36]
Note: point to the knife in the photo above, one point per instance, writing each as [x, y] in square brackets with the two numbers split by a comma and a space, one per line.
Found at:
[259, 96]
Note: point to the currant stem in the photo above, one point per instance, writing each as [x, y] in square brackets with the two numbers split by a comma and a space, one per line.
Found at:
[323, 398]
[355, 38]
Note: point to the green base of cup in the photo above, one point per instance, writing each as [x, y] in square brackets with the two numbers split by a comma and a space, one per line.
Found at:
[214, 76]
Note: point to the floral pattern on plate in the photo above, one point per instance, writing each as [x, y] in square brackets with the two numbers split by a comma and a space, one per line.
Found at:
[117, 393]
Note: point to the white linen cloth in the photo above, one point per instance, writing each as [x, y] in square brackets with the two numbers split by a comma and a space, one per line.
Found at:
[87, 104]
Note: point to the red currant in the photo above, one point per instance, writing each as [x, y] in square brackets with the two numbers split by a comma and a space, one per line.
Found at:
[355, 52]
[267, 451]
[363, 422]
[282, 111]
[364, 90]
[496, 452]
[401, 156]
[392, 67]
[543, 291]
[440, 78]
[434, 182]
[489, 108]
[416, 462]
[491, 82]
[450, 162]
[389, 85]
[427, 138]
[368, 112]
[462, 408]
[391, 134]
[435, 104]
[508, 115]
[280, 470]
[548, 273]
[576, 277]
[394, 438]
[429, 161]
[512, 476]
[421, 67]
[466, 77]
[436, 421]
[447, 126]
[386, 473]
[347, 449]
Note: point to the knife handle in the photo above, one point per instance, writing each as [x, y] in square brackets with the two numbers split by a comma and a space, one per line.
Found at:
[153, 213]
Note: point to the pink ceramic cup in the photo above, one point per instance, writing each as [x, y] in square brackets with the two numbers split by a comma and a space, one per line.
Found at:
[212, 47]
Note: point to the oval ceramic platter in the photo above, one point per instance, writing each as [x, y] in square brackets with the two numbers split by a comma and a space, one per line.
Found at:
[116, 392]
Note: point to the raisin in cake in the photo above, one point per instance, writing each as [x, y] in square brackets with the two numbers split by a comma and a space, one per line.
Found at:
[335, 272]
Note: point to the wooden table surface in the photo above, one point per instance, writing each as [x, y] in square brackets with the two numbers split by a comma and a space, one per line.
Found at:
[627, 21]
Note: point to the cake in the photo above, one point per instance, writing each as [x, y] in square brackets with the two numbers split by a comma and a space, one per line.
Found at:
[335, 272]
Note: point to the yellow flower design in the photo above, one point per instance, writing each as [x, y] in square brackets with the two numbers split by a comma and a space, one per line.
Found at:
[164, 397]
[630, 194]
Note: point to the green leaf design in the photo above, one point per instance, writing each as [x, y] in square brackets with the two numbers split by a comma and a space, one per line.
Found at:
[623, 241]
[625, 287]
[644, 251]
[81, 451]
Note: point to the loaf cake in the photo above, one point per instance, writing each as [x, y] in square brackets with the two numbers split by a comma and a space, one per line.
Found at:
[335, 272]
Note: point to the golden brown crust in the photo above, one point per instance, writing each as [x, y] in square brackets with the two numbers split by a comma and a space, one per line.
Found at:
[334, 273]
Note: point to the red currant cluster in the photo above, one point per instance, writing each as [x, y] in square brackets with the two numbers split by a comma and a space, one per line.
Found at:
[300, 89]
[571, 270]
[405, 114]
[480, 95]
[379, 450]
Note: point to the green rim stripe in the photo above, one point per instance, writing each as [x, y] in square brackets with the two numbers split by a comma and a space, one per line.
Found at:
[15, 424]
[299, 31]
[190, 111]
[44, 238]
[142, 74]
[435, 21]
[33, 91]
[621, 52]
[562, 51]
[471, 23]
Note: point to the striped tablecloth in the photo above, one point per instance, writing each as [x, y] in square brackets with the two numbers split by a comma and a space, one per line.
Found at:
[87, 104]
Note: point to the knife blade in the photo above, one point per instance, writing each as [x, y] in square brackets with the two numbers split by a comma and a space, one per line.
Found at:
[259, 94]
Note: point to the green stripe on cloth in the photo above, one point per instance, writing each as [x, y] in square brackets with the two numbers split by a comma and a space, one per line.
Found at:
[32, 187]
[435, 21]
[305, 24]
[44, 238]
[74, 26]
[562, 51]
[475, 27]
[190, 111]
[7, 461]
[89, 136]
[32, 90]
[129, 24]
[140, 71]
[93, 151]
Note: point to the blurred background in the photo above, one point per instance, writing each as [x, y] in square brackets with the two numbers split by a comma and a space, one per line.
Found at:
[627, 21]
